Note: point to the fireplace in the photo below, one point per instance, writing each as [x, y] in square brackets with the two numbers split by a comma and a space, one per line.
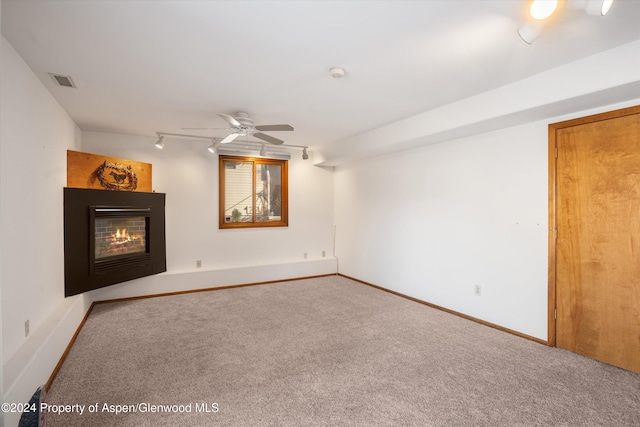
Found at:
[119, 237]
[112, 237]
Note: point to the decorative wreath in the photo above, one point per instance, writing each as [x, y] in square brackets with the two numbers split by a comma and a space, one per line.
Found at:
[121, 177]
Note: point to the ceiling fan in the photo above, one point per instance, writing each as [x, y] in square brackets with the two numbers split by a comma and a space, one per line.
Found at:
[243, 125]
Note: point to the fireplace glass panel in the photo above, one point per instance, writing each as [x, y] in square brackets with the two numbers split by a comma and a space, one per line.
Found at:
[120, 236]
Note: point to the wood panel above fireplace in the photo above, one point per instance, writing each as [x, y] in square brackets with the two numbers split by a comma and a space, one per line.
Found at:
[111, 237]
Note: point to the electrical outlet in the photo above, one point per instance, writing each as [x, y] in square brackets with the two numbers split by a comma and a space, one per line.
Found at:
[26, 328]
[478, 290]
[199, 263]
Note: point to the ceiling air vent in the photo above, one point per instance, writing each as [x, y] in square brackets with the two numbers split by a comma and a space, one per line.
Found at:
[61, 80]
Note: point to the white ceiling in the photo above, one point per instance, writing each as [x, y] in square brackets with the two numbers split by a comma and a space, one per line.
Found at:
[146, 66]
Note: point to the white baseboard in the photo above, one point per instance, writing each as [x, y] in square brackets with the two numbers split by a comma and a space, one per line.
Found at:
[186, 280]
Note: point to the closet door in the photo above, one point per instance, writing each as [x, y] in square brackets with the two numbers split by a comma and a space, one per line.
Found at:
[597, 246]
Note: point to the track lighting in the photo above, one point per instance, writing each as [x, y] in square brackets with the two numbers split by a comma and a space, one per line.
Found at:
[542, 9]
[592, 7]
[539, 11]
[235, 148]
[605, 6]
[160, 142]
[212, 147]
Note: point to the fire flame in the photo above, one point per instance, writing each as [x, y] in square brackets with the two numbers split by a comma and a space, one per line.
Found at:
[122, 236]
[120, 242]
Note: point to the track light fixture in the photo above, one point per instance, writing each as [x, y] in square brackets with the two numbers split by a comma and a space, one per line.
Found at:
[212, 147]
[601, 7]
[540, 10]
[236, 148]
[160, 142]
[592, 7]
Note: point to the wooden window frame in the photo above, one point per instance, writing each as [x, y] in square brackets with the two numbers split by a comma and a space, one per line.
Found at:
[284, 215]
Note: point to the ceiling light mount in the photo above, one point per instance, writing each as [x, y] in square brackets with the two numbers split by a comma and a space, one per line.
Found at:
[337, 72]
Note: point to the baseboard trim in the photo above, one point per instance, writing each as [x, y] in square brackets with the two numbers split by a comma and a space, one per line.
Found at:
[53, 375]
[218, 288]
[447, 310]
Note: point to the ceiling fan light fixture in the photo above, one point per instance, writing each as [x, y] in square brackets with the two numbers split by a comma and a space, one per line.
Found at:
[243, 125]
[160, 142]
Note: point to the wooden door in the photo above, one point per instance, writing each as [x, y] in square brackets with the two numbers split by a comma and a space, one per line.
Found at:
[597, 239]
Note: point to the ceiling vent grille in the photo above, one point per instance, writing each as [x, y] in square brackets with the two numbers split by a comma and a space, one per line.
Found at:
[61, 80]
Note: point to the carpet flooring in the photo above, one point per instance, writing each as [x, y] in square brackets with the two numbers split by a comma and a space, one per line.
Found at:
[325, 351]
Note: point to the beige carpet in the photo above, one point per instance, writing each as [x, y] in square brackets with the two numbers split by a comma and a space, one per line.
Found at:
[326, 351]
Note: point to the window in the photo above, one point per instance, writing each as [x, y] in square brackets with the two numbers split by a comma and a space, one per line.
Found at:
[253, 192]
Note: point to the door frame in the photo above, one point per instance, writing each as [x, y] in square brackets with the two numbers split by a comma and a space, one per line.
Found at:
[553, 185]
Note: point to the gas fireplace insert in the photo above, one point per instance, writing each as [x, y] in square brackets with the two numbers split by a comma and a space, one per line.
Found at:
[112, 237]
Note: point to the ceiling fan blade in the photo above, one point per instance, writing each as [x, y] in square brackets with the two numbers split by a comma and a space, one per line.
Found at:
[231, 120]
[274, 127]
[229, 138]
[207, 128]
[268, 138]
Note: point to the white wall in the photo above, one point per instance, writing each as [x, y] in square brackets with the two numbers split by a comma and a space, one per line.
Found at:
[432, 222]
[35, 134]
[188, 174]
[463, 201]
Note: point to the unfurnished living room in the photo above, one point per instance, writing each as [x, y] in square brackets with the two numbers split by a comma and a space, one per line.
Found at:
[300, 213]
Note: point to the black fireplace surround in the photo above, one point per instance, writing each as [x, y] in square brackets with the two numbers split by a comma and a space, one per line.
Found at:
[111, 237]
